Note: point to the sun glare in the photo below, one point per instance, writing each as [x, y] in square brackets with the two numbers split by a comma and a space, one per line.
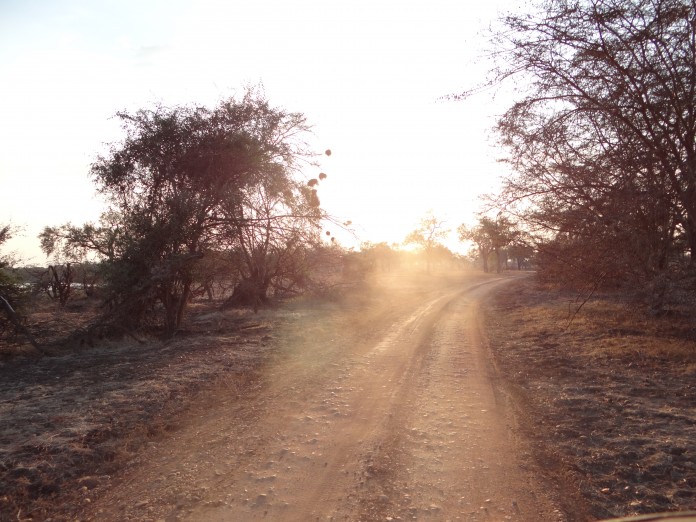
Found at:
[367, 77]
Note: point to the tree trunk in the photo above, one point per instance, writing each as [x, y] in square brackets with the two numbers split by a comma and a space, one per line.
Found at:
[690, 229]
[183, 302]
[248, 293]
[17, 323]
[170, 312]
[175, 306]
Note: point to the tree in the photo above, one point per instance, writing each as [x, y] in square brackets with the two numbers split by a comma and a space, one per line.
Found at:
[183, 183]
[60, 280]
[490, 236]
[522, 252]
[478, 236]
[603, 140]
[13, 295]
[10, 291]
[380, 255]
[76, 244]
[428, 235]
[10, 286]
[281, 221]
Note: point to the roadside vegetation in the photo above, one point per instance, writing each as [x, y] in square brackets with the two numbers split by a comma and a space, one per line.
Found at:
[73, 420]
[599, 352]
[213, 222]
[199, 198]
[601, 144]
[604, 398]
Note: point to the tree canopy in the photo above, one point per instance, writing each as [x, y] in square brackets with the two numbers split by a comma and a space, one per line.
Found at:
[8, 284]
[603, 139]
[186, 181]
[491, 236]
[12, 293]
[430, 232]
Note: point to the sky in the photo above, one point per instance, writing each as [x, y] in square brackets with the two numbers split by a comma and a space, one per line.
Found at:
[369, 75]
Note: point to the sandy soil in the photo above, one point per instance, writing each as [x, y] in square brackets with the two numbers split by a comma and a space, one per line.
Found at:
[384, 411]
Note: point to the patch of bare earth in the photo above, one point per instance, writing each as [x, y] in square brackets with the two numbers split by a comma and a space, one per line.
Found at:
[608, 402]
[72, 420]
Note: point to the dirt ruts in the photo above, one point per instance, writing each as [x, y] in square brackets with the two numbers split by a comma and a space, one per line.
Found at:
[376, 414]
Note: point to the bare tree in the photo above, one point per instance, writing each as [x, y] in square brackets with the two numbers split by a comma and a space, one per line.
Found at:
[60, 280]
[428, 235]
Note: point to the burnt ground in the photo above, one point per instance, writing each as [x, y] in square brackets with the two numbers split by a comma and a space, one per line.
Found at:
[607, 399]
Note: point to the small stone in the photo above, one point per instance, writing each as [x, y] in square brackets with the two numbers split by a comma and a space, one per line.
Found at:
[88, 482]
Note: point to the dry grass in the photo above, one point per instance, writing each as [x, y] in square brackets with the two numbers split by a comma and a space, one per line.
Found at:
[608, 396]
[71, 421]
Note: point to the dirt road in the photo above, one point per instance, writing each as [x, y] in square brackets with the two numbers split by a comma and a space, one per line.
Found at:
[395, 420]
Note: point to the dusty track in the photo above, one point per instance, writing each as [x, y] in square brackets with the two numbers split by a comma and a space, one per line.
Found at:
[400, 423]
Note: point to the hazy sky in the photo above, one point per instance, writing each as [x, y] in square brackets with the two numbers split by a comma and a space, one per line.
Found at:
[367, 74]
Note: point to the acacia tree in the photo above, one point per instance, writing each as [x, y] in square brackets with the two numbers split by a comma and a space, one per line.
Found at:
[428, 235]
[490, 236]
[281, 219]
[10, 285]
[10, 291]
[521, 251]
[482, 241]
[178, 185]
[76, 243]
[12, 295]
[80, 253]
[603, 143]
